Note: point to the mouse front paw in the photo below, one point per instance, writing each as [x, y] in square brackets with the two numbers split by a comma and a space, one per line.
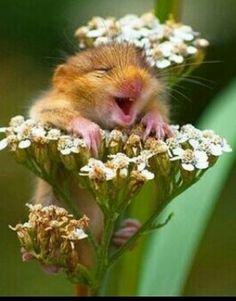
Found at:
[128, 229]
[154, 123]
[89, 131]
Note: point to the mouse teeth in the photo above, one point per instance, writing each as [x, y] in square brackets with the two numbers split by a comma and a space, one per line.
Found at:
[124, 103]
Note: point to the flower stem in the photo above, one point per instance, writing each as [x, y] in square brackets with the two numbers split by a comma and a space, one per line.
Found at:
[102, 254]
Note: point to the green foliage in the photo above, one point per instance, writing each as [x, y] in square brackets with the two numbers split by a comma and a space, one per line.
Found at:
[170, 251]
[168, 8]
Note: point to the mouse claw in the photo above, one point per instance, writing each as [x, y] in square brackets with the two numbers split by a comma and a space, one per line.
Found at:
[128, 228]
[89, 131]
[155, 124]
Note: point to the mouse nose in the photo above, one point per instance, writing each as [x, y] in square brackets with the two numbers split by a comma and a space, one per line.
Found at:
[132, 87]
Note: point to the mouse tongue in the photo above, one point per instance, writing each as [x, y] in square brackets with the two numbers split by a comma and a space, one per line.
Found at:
[124, 104]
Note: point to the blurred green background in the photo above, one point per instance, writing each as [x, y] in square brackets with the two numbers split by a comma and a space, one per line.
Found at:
[36, 35]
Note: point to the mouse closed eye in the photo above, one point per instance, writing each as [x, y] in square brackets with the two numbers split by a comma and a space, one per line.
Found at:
[103, 71]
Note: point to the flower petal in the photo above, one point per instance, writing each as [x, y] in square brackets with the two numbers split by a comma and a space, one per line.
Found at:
[188, 167]
[3, 143]
[80, 234]
[3, 129]
[216, 150]
[24, 144]
[65, 151]
[202, 165]
[147, 174]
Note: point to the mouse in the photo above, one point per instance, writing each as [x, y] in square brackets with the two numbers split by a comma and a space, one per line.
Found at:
[104, 87]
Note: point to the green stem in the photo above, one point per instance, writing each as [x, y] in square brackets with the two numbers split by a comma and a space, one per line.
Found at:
[102, 254]
[164, 9]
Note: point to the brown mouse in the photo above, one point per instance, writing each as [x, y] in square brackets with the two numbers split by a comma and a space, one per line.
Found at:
[103, 87]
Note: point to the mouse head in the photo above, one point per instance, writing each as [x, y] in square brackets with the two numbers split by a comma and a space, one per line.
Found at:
[109, 84]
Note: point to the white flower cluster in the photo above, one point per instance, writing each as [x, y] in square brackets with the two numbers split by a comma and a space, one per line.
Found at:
[164, 44]
[52, 236]
[120, 166]
[123, 152]
[54, 217]
[194, 147]
[21, 134]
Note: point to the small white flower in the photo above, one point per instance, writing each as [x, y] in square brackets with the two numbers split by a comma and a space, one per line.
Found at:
[225, 146]
[141, 161]
[201, 43]
[166, 48]
[130, 34]
[96, 22]
[3, 129]
[215, 149]
[119, 160]
[102, 40]
[97, 170]
[187, 132]
[65, 151]
[163, 63]
[16, 121]
[191, 50]
[184, 32]
[191, 159]
[147, 174]
[24, 130]
[178, 59]
[24, 144]
[123, 172]
[53, 134]
[201, 160]
[81, 32]
[77, 144]
[27, 225]
[30, 123]
[79, 234]
[39, 135]
[173, 144]
[142, 176]
[214, 144]
[115, 135]
[149, 20]
[96, 33]
[177, 150]
[67, 145]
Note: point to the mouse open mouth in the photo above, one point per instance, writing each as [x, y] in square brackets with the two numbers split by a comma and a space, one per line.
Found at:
[124, 103]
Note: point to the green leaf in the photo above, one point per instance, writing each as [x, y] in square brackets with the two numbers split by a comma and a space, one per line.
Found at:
[170, 252]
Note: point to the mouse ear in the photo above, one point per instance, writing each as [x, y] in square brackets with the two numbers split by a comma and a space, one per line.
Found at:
[60, 77]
